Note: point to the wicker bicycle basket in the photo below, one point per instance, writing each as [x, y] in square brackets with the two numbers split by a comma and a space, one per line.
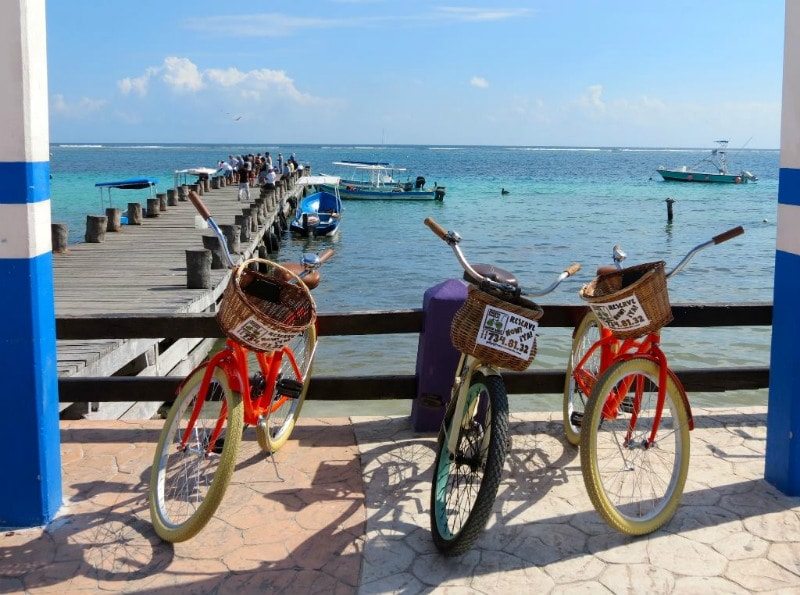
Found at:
[496, 331]
[630, 302]
[264, 310]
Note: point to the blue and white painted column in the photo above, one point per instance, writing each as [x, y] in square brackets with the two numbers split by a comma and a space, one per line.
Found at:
[783, 417]
[30, 459]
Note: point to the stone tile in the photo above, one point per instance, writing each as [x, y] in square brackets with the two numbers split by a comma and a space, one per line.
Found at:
[691, 585]
[384, 557]
[435, 570]
[682, 556]
[405, 583]
[775, 526]
[633, 579]
[706, 524]
[543, 543]
[583, 588]
[759, 574]
[786, 555]
[616, 548]
[499, 572]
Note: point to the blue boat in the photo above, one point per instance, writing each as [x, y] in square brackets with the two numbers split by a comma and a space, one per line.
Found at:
[317, 214]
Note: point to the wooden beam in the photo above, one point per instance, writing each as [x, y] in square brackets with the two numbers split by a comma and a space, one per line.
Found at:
[338, 388]
[204, 324]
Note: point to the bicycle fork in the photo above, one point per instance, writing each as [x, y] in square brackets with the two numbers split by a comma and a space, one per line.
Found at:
[465, 410]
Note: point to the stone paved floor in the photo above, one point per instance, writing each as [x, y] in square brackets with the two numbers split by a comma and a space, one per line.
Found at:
[734, 533]
[294, 525]
[343, 508]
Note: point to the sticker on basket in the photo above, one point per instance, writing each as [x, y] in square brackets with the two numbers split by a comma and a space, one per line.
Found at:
[507, 332]
[622, 315]
[252, 332]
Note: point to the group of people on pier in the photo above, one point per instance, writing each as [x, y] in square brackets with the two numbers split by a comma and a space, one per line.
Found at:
[256, 170]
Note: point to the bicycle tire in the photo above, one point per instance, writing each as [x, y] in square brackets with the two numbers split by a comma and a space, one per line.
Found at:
[216, 468]
[586, 334]
[450, 535]
[608, 474]
[276, 427]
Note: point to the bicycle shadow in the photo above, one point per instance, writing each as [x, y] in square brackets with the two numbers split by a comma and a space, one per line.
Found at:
[101, 539]
[544, 531]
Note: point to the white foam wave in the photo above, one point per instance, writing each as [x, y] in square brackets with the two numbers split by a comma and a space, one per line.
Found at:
[81, 146]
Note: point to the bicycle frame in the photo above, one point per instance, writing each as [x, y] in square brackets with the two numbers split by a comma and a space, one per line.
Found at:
[467, 366]
[613, 350]
[233, 360]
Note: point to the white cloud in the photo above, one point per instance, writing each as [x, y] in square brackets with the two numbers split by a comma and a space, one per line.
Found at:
[282, 25]
[83, 107]
[183, 75]
[465, 13]
[479, 82]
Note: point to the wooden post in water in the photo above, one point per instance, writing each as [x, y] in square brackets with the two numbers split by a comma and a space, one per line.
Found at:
[134, 213]
[183, 193]
[198, 269]
[59, 233]
[255, 211]
[114, 217]
[669, 202]
[162, 201]
[152, 207]
[217, 259]
[232, 233]
[96, 228]
[243, 221]
[172, 197]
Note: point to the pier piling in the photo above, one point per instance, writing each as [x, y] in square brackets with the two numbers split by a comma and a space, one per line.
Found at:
[198, 269]
[59, 233]
[96, 228]
[114, 217]
[217, 259]
[152, 207]
[669, 202]
[134, 213]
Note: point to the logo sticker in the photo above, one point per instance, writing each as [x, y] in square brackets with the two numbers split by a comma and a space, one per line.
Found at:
[507, 332]
[622, 315]
[252, 332]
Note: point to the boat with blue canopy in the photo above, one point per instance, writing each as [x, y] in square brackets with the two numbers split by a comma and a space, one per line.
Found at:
[151, 184]
[317, 214]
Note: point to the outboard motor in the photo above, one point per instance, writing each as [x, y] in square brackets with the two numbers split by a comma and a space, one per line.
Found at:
[749, 176]
[419, 183]
[438, 192]
[408, 187]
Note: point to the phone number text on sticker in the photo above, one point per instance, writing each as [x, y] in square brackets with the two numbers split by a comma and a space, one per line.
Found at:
[621, 315]
[507, 332]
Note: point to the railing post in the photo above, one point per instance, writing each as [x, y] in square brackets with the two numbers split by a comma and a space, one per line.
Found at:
[436, 357]
[783, 415]
[31, 458]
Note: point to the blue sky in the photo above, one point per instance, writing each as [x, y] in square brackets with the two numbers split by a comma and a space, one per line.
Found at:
[541, 72]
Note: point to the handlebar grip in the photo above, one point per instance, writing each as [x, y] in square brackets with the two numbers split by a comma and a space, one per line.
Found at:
[436, 228]
[572, 269]
[731, 233]
[326, 256]
[198, 204]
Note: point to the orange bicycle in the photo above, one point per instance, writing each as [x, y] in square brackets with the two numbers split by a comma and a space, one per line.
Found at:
[268, 315]
[623, 404]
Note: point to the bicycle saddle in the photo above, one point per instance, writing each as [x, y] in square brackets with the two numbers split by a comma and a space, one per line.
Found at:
[492, 272]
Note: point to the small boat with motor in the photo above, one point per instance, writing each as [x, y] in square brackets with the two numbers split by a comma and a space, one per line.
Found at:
[717, 160]
[317, 214]
[373, 180]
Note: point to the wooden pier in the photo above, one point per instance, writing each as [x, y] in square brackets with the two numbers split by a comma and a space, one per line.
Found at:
[142, 268]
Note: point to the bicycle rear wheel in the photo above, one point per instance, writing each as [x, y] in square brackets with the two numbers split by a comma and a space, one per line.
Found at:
[574, 404]
[274, 429]
[187, 482]
[635, 485]
[465, 483]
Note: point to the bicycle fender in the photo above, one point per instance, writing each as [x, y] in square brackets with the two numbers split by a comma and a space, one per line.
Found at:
[488, 370]
[673, 376]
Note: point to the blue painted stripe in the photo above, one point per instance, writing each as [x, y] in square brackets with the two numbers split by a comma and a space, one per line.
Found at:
[29, 395]
[789, 186]
[783, 414]
[24, 182]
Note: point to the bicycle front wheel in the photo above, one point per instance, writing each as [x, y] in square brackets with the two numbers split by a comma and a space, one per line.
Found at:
[465, 482]
[574, 404]
[274, 429]
[188, 479]
[635, 484]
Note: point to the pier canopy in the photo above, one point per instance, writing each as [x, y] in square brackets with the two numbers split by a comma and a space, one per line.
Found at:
[129, 184]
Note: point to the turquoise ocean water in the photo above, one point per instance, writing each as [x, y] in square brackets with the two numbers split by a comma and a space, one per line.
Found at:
[565, 204]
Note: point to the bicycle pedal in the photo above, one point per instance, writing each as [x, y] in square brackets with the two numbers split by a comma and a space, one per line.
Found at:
[289, 387]
[575, 418]
[627, 405]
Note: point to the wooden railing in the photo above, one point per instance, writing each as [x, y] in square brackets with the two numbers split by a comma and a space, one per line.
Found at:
[533, 381]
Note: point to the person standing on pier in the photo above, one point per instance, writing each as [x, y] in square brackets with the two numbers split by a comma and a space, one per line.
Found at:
[280, 162]
[244, 180]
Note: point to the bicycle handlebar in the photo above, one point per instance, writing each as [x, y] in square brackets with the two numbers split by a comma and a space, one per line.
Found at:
[728, 235]
[199, 205]
[326, 256]
[452, 239]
